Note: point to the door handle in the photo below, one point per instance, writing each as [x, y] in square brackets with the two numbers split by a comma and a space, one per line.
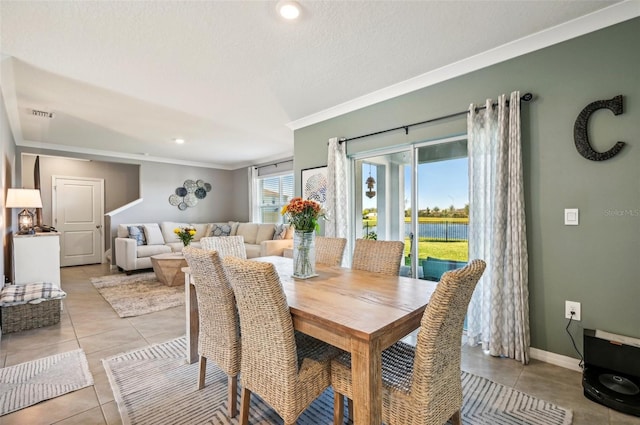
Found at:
[99, 226]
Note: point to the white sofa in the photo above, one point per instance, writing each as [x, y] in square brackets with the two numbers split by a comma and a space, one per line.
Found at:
[160, 238]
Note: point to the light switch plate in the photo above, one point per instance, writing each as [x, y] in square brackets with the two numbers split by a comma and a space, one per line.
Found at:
[571, 216]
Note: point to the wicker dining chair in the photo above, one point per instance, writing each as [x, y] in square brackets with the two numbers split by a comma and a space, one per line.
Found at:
[287, 369]
[225, 245]
[422, 384]
[329, 251]
[219, 338]
[382, 257]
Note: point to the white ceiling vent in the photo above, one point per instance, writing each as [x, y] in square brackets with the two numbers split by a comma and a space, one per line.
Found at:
[41, 114]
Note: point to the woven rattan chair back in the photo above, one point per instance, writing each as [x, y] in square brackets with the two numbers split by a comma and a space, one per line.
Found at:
[436, 369]
[422, 385]
[382, 257]
[270, 359]
[219, 338]
[225, 245]
[329, 251]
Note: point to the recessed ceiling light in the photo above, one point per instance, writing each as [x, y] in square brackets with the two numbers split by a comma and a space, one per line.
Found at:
[179, 141]
[288, 9]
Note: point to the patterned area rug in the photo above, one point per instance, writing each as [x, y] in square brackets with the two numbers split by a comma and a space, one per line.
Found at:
[155, 386]
[138, 294]
[26, 384]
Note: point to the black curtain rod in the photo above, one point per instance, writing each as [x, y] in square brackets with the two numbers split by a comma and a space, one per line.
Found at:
[273, 164]
[525, 97]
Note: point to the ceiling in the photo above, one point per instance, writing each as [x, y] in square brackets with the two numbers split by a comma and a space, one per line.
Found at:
[125, 78]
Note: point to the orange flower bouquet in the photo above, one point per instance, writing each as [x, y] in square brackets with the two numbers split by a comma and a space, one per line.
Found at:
[303, 214]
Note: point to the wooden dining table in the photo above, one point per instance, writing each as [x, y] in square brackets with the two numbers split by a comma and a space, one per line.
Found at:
[358, 311]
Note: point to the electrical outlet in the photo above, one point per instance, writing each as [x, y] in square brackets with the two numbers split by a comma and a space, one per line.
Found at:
[572, 307]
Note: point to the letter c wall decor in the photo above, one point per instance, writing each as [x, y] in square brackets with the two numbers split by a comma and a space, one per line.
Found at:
[581, 135]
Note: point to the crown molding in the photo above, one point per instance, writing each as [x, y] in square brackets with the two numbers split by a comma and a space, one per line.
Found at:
[106, 154]
[120, 155]
[611, 15]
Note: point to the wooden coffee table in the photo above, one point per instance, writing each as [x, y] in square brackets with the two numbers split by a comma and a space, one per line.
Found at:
[167, 268]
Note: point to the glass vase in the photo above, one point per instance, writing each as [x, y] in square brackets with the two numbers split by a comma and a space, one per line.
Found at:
[304, 254]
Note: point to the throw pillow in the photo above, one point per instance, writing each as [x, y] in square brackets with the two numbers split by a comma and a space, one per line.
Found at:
[220, 229]
[290, 230]
[137, 233]
[280, 232]
[32, 293]
[153, 234]
[234, 227]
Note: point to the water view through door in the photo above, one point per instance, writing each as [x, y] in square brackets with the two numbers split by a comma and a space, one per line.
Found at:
[436, 232]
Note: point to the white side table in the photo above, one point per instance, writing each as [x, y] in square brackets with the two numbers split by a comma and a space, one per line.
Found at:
[36, 258]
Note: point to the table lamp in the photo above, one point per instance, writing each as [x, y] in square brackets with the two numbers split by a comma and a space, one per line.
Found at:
[24, 198]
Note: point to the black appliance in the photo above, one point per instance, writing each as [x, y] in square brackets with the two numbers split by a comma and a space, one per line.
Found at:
[612, 371]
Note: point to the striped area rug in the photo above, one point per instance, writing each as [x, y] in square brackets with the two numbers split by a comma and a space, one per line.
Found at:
[155, 386]
[28, 383]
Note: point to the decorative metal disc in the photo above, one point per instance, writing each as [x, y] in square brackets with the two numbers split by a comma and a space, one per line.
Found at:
[191, 200]
[200, 193]
[190, 185]
[200, 183]
[174, 200]
[181, 191]
[182, 206]
[207, 187]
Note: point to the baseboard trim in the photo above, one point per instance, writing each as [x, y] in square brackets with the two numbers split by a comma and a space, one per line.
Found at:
[555, 359]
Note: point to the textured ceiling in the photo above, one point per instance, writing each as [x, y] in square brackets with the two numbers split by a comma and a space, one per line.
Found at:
[127, 77]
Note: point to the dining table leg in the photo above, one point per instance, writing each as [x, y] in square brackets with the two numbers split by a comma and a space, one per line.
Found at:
[366, 374]
[193, 321]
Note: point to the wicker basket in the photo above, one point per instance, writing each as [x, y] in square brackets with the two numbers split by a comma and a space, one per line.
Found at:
[23, 317]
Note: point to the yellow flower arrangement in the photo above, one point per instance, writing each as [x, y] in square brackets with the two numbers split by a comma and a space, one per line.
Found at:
[185, 234]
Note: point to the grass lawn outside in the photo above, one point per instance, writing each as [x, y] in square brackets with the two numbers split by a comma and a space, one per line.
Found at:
[444, 250]
[458, 251]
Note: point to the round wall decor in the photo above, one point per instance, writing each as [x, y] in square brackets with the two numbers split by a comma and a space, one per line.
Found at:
[190, 185]
[189, 193]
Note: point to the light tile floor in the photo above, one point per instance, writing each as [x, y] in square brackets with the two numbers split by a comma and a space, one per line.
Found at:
[89, 322]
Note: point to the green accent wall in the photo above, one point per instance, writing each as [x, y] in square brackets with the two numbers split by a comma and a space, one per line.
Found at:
[596, 263]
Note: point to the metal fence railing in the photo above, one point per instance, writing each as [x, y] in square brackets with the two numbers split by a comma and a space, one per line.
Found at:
[444, 231]
[438, 231]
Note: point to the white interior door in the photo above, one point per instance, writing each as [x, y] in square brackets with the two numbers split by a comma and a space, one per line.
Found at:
[78, 211]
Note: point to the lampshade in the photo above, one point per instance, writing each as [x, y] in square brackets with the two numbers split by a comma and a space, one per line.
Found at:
[23, 198]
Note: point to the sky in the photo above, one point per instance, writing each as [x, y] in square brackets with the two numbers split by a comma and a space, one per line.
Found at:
[441, 184]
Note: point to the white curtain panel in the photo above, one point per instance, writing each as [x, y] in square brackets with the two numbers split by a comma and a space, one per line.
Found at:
[498, 315]
[253, 208]
[337, 223]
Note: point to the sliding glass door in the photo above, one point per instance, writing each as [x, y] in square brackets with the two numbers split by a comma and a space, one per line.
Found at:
[417, 194]
[442, 200]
